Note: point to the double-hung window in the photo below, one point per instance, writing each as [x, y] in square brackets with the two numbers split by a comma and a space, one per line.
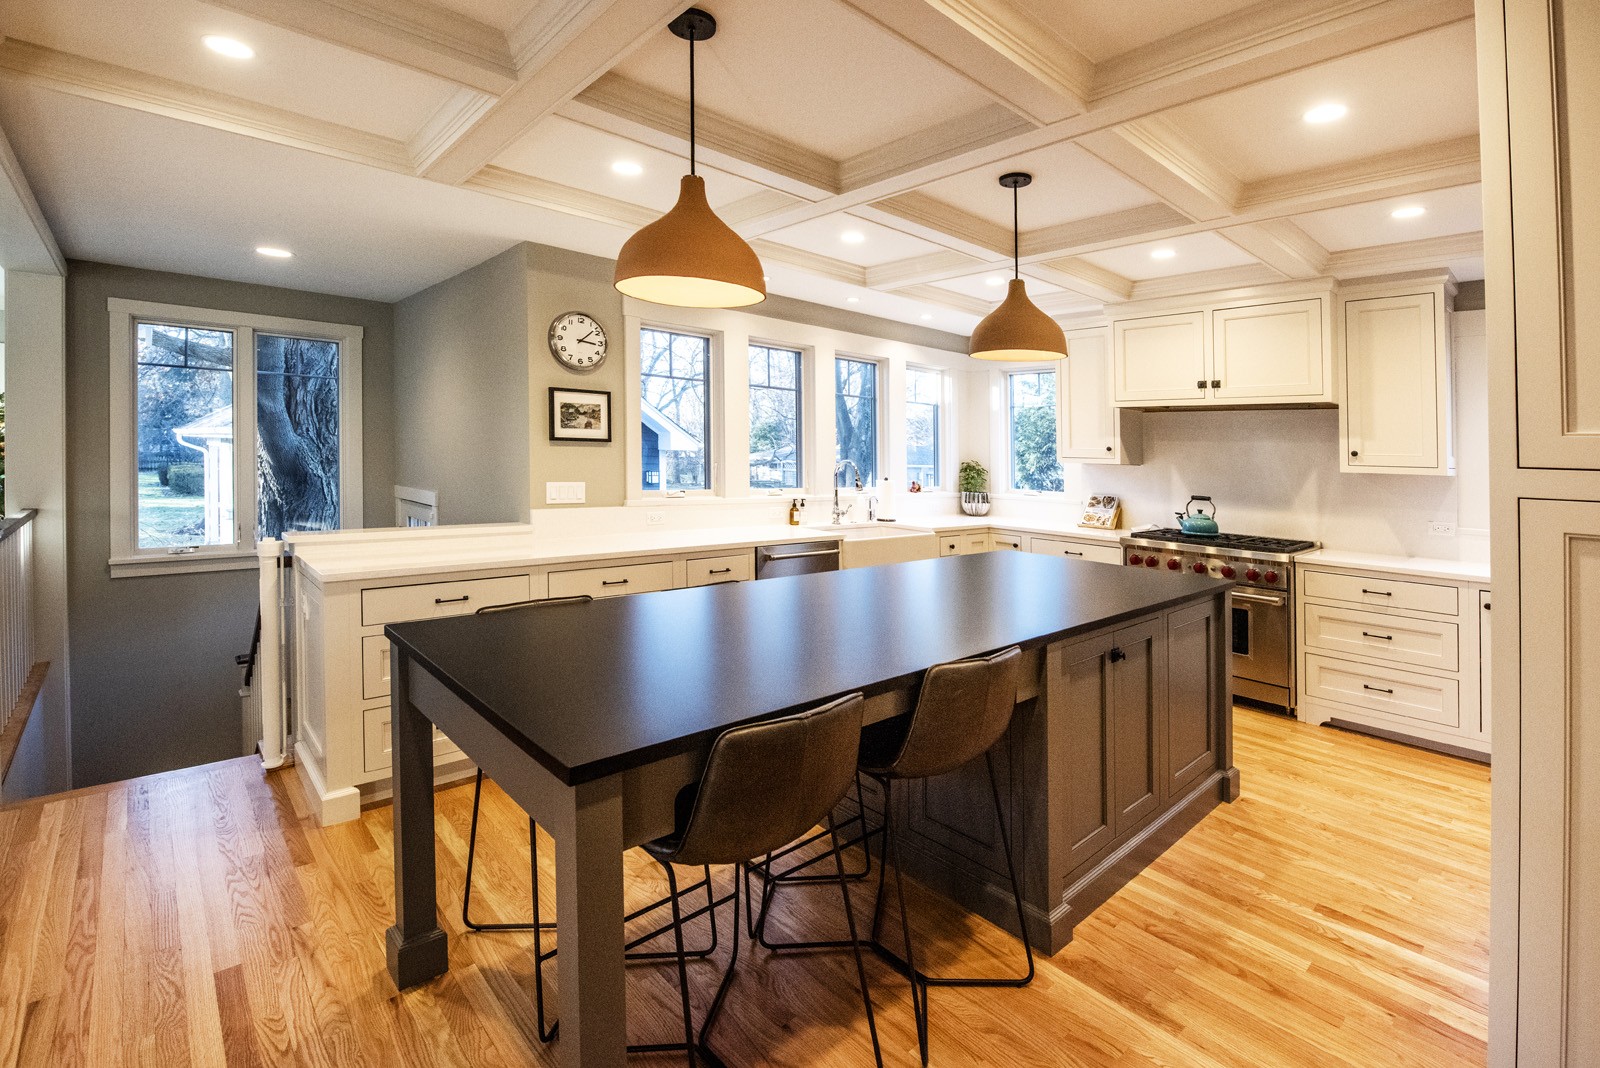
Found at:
[775, 418]
[856, 416]
[226, 429]
[924, 411]
[1031, 427]
[675, 410]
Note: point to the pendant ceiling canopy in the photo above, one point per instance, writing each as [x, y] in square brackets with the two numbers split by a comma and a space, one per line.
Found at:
[1017, 331]
[689, 258]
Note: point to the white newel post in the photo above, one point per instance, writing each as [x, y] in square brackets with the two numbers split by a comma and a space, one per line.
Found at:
[269, 661]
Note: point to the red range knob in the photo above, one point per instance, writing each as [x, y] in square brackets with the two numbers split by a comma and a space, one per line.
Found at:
[1227, 571]
[1271, 576]
[1199, 568]
[1252, 574]
[1135, 559]
[1151, 561]
[1173, 565]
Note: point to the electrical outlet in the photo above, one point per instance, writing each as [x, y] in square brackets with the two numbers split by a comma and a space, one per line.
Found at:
[1442, 529]
[654, 519]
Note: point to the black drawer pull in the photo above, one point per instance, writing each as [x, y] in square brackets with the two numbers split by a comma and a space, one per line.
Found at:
[1384, 637]
[1069, 552]
[716, 571]
[618, 582]
[1200, 384]
[1377, 593]
[1375, 689]
[451, 600]
[1216, 383]
[1116, 655]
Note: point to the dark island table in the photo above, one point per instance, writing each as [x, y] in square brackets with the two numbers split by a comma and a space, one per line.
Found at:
[593, 716]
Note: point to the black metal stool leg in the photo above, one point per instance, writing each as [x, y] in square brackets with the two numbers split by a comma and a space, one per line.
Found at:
[546, 1035]
[472, 851]
[855, 943]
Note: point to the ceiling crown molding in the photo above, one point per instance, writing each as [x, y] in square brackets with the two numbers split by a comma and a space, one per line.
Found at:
[931, 294]
[1427, 253]
[811, 262]
[127, 88]
[454, 117]
[932, 216]
[1084, 279]
[1025, 41]
[1183, 285]
[931, 145]
[915, 269]
[557, 197]
[422, 36]
[1144, 223]
[1413, 170]
[1281, 245]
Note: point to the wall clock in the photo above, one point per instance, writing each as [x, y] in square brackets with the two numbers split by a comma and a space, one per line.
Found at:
[577, 341]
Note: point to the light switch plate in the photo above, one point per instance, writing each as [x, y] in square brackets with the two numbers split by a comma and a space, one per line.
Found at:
[565, 492]
[1442, 528]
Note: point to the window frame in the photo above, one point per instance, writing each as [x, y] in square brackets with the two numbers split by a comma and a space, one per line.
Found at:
[880, 426]
[126, 557]
[941, 428]
[803, 414]
[1005, 436]
[714, 410]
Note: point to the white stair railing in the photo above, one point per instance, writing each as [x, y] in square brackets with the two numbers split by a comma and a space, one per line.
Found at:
[16, 609]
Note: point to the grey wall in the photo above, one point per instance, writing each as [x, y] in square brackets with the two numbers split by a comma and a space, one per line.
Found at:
[154, 685]
[461, 393]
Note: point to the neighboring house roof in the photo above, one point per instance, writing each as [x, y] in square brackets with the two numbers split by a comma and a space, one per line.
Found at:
[217, 425]
[674, 438]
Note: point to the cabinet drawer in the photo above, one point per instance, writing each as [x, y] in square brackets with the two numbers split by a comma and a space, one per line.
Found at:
[396, 604]
[975, 543]
[1076, 550]
[612, 581]
[374, 666]
[1380, 592]
[735, 567]
[1391, 691]
[1349, 631]
[375, 741]
[950, 545]
[1009, 539]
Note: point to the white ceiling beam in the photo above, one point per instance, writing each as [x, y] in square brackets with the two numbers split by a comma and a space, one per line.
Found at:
[1405, 256]
[424, 37]
[1441, 165]
[1160, 157]
[998, 47]
[513, 185]
[599, 37]
[945, 263]
[453, 118]
[932, 145]
[127, 88]
[1178, 285]
[626, 108]
[1083, 278]
[1281, 245]
[811, 262]
[955, 301]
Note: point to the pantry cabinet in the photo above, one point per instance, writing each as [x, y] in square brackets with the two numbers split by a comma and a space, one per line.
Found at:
[1250, 351]
[1395, 361]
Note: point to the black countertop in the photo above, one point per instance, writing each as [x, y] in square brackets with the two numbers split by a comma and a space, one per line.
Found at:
[592, 689]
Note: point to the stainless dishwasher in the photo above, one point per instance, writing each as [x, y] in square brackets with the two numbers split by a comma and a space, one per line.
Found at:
[796, 558]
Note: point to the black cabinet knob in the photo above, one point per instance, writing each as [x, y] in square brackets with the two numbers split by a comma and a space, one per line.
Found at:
[1354, 453]
[1116, 655]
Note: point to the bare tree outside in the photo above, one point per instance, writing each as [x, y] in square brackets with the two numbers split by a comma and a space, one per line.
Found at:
[775, 458]
[855, 400]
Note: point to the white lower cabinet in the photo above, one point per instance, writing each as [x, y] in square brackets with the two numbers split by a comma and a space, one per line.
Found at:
[1074, 549]
[613, 581]
[1400, 655]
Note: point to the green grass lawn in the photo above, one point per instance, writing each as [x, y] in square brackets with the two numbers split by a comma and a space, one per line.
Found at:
[166, 519]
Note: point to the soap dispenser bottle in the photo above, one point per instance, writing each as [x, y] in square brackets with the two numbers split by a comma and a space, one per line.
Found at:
[794, 513]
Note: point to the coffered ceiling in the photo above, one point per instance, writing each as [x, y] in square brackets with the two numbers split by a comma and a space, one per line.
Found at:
[856, 143]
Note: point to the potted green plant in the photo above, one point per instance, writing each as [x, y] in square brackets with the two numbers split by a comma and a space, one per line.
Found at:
[973, 478]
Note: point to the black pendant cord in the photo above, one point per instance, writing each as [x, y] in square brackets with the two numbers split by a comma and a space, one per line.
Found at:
[691, 105]
[1016, 239]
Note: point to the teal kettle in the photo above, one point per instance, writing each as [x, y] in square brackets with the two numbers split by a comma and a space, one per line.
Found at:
[1194, 520]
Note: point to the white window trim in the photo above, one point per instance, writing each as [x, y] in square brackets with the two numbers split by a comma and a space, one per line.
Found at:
[127, 559]
[715, 417]
[1002, 438]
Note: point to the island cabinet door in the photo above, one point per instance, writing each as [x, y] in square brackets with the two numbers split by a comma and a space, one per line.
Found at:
[1191, 742]
[1138, 688]
[1078, 691]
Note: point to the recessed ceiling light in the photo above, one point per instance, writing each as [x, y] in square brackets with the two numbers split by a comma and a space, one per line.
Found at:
[227, 46]
[627, 168]
[994, 280]
[273, 253]
[1326, 113]
[852, 237]
[1410, 211]
[1163, 253]
[852, 300]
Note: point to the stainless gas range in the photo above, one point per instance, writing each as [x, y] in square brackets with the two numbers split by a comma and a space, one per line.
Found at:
[1263, 600]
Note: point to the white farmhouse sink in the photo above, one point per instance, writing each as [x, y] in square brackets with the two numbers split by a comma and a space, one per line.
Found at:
[866, 544]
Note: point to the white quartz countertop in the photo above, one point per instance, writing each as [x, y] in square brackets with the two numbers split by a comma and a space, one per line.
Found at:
[1054, 528]
[1417, 566]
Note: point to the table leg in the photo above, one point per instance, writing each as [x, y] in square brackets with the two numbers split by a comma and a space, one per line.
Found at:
[417, 949]
[589, 906]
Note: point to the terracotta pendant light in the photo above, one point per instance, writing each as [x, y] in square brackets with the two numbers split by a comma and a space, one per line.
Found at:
[689, 258]
[1017, 330]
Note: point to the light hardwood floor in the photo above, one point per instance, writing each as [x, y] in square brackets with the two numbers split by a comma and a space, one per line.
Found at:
[1336, 914]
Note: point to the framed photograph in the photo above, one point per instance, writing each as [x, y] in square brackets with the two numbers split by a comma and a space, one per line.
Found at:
[580, 414]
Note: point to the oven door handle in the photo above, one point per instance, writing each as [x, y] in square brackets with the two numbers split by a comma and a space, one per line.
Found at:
[1256, 598]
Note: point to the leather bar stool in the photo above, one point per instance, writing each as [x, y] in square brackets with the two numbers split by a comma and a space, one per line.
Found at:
[764, 785]
[963, 709]
[547, 1034]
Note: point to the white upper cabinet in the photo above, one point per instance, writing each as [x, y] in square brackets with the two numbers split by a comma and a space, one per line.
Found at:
[1272, 351]
[1161, 359]
[1396, 416]
[1090, 428]
[1240, 353]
